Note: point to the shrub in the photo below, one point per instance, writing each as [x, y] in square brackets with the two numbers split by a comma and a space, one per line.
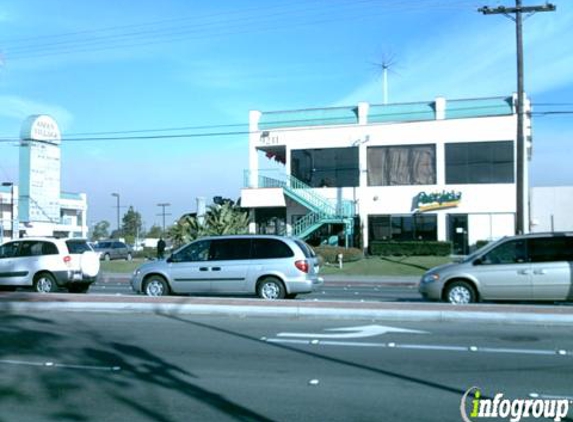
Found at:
[410, 248]
[330, 254]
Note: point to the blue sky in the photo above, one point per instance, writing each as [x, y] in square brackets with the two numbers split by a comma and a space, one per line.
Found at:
[126, 66]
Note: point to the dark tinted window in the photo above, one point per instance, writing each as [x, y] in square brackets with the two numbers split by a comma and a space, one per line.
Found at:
[479, 162]
[402, 165]
[77, 246]
[230, 249]
[118, 245]
[103, 245]
[511, 252]
[270, 248]
[328, 167]
[396, 227]
[550, 249]
[9, 250]
[196, 251]
[48, 248]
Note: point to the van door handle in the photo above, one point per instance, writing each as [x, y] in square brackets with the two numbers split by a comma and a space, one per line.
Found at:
[216, 269]
[203, 269]
[539, 272]
[523, 272]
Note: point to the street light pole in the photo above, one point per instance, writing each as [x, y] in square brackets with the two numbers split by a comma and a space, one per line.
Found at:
[118, 208]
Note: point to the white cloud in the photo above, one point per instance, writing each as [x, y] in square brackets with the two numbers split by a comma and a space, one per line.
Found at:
[15, 107]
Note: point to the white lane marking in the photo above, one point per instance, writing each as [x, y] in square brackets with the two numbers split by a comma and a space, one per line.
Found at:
[392, 345]
[353, 332]
[59, 365]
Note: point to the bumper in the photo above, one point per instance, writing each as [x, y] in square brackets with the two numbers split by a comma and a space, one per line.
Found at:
[65, 278]
[431, 291]
[304, 286]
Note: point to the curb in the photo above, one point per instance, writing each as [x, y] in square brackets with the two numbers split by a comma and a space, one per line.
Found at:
[508, 314]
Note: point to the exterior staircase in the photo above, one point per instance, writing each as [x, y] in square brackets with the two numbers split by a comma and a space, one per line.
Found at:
[321, 210]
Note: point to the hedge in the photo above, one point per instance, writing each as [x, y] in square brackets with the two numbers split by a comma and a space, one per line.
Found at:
[410, 248]
[330, 253]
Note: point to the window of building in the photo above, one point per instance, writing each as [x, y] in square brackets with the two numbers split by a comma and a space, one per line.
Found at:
[328, 167]
[402, 165]
[403, 228]
[479, 162]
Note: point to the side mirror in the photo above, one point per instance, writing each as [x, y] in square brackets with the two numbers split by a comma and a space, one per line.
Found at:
[170, 259]
[478, 261]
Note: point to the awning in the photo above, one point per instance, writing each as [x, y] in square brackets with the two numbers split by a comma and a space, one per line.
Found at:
[262, 197]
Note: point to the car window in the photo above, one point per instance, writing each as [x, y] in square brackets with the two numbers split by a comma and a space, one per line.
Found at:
[118, 245]
[550, 249]
[9, 250]
[196, 251]
[26, 249]
[306, 249]
[103, 245]
[77, 246]
[270, 248]
[230, 249]
[510, 252]
[49, 248]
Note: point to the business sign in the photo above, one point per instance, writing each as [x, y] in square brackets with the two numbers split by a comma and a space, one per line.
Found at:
[40, 170]
[437, 200]
[40, 128]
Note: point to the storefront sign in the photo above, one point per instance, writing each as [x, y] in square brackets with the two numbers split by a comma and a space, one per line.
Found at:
[40, 128]
[437, 200]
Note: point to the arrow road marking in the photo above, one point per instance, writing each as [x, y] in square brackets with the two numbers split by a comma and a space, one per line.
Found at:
[353, 332]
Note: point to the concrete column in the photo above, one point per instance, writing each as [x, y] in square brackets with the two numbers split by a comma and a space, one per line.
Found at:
[440, 105]
[363, 113]
[254, 137]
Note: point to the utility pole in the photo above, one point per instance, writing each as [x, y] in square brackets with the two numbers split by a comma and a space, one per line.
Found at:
[163, 214]
[118, 208]
[518, 11]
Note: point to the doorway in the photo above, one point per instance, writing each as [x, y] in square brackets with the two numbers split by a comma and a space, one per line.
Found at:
[458, 233]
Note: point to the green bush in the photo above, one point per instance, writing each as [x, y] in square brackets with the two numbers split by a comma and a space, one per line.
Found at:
[330, 254]
[410, 248]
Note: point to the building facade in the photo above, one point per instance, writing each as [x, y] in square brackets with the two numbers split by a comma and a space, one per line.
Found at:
[436, 170]
[36, 206]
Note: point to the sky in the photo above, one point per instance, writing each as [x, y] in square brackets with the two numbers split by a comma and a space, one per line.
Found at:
[162, 85]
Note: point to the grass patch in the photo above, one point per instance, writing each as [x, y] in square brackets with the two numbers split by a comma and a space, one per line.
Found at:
[120, 266]
[382, 266]
[388, 266]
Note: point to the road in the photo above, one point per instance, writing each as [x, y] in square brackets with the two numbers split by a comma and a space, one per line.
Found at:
[352, 291]
[170, 368]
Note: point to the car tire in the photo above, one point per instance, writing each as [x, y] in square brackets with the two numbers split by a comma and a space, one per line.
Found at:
[271, 289]
[155, 286]
[291, 296]
[78, 288]
[128, 257]
[45, 283]
[460, 293]
[106, 257]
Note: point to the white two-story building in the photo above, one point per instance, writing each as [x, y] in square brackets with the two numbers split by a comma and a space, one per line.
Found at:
[435, 170]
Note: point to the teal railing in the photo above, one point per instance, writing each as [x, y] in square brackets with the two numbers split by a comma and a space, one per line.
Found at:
[322, 210]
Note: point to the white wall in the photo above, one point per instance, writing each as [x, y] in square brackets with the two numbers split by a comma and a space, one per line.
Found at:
[551, 208]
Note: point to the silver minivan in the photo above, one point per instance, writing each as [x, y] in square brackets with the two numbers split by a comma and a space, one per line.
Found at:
[272, 267]
[537, 266]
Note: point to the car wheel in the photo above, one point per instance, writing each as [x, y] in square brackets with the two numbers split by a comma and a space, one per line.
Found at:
[271, 289]
[45, 283]
[78, 288]
[128, 257]
[460, 293]
[155, 286]
[107, 257]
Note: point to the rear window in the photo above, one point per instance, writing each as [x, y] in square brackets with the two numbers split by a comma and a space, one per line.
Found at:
[270, 248]
[77, 246]
[306, 249]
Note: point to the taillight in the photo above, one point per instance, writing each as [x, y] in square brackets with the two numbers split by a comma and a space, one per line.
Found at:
[67, 259]
[302, 265]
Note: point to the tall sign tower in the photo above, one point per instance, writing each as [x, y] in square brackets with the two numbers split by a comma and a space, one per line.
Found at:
[40, 170]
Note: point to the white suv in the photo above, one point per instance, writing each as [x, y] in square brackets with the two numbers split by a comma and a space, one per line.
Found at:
[46, 264]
